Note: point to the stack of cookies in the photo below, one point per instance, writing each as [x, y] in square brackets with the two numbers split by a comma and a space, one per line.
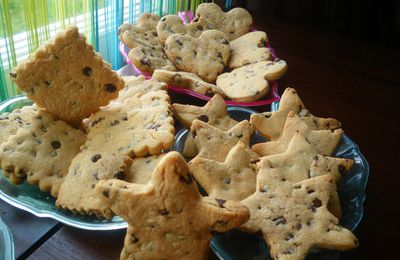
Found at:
[216, 53]
[287, 183]
[98, 141]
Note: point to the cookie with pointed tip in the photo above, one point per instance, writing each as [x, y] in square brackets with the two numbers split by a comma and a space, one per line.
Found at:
[233, 179]
[69, 94]
[270, 124]
[11, 122]
[205, 56]
[250, 82]
[301, 161]
[167, 217]
[213, 143]
[186, 80]
[324, 141]
[214, 113]
[41, 152]
[234, 23]
[173, 24]
[249, 48]
[147, 53]
[294, 218]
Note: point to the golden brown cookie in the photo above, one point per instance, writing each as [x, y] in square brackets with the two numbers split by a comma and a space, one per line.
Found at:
[142, 168]
[70, 94]
[294, 218]
[324, 141]
[205, 56]
[234, 179]
[41, 152]
[249, 48]
[213, 143]
[270, 124]
[167, 217]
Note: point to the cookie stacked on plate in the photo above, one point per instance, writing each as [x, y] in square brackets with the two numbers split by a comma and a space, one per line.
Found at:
[216, 53]
[288, 183]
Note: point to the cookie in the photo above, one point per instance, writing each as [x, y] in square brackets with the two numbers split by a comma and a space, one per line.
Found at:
[324, 141]
[147, 53]
[167, 217]
[205, 56]
[186, 80]
[294, 218]
[69, 94]
[137, 86]
[234, 179]
[213, 143]
[77, 192]
[250, 82]
[11, 122]
[301, 161]
[234, 23]
[270, 124]
[214, 113]
[41, 152]
[249, 48]
[142, 168]
[172, 24]
[140, 126]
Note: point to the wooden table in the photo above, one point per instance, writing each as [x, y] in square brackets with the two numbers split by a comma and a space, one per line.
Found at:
[336, 77]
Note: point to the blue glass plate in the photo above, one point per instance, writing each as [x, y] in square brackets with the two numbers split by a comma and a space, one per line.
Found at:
[6, 242]
[240, 245]
[30, 198]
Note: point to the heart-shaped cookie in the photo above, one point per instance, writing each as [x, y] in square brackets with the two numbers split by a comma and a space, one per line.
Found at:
[205, 56]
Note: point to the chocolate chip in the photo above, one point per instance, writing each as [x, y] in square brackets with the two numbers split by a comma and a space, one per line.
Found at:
[47, 83]
[194, 134]
[179, 42]
[134, 239]
[289, 236]
[110, 88]
[310, 191]
[178, 60]
[254, 161]
[120, 175]
[200, 28]
[298, 226]
[186, 178]
[124, 118]
[195, 20]
[203, 118]
[55, 144]
[279, 220]
[96, 176]
[163, 19]
[145, 61]
[316, 204]
[227, 180]
[225, 41]
[106, 193]
[342, 169]
[220, 202]
[164, 212]
[155, 34]
[96, 157]
[154, 127]
[87, 71]
[239, 135]
[219, 55]
[13, 75]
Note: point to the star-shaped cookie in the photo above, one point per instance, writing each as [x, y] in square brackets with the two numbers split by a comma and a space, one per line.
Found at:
[213, 143]
[324, 141]
[234, 179]
[301, 161]
[270, 124]
[294, 218]
[167, 217]
[214, 113]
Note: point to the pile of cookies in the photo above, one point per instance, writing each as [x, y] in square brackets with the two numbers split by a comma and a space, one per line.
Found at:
[97, 142]
[288, 183]
[216, 53]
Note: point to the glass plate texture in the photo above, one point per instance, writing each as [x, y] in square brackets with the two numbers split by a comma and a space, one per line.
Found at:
[6, 242]
[30, 198]
[240, 245]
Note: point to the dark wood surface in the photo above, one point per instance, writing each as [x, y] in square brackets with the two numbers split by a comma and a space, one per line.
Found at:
[357, 83]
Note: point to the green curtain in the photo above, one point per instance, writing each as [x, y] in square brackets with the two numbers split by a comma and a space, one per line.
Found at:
[27, 24]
